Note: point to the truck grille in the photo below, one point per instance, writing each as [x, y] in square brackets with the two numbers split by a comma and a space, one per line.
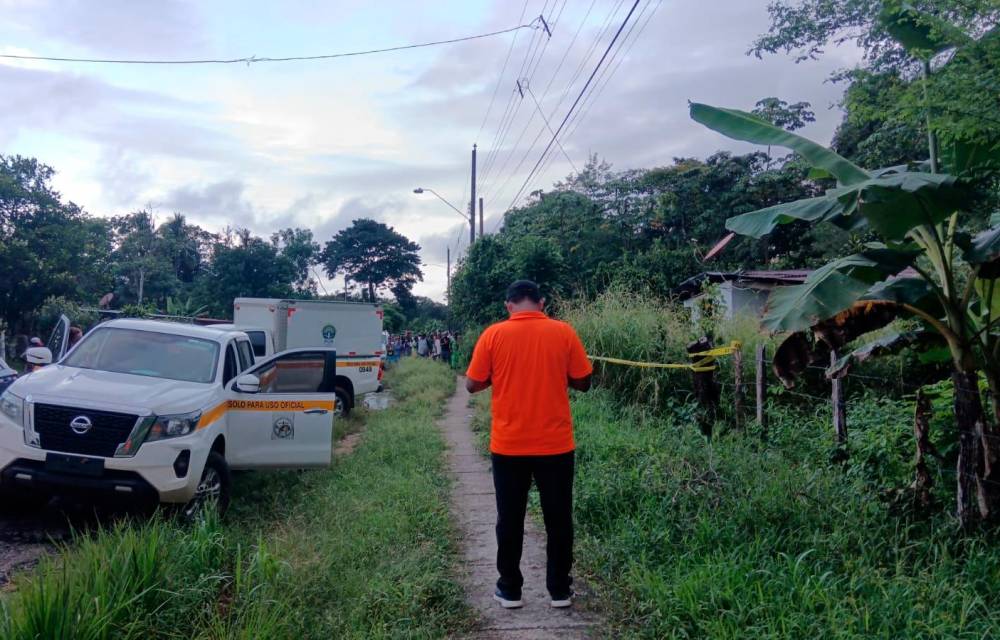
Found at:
[108, 429]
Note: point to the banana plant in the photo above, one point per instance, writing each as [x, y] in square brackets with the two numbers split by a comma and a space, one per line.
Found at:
[184, 308]
[923, 266]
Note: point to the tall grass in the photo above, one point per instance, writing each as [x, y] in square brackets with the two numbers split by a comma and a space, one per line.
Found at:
[622, 324]
[148, 579]
[361, 550]
[733, 537]
[729, 539]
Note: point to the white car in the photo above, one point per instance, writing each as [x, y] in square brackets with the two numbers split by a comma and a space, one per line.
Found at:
[7, 375]
[145, 408]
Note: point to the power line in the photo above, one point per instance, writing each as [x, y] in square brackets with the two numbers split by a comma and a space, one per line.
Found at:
[533, 66]
[252, 59]
[588, 100]
[568, 49]
[513, 106]
[529, 66]
[503, 69]
[549, 127]
[576, 74]
[605, 78]
[576, 102]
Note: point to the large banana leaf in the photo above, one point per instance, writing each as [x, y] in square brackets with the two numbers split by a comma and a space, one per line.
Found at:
[985, 252]
[758, 224]
[832, 288]
[913, 291]
[891, 343]
[798, 351]
[989, 296]
[896, 202]
[741, 125]
[893, 201]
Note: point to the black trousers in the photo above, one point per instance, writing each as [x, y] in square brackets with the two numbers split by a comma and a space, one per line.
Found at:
[553, 476]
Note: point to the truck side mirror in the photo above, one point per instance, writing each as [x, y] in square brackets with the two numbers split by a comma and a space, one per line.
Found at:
[248, 383]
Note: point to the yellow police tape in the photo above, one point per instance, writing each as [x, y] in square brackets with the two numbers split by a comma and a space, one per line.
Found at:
[700, 366]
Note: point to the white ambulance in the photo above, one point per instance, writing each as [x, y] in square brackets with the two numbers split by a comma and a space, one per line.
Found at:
[146, 408]
[353, 329]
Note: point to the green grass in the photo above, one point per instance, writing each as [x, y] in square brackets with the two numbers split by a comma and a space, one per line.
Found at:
[361, 550]
[683, 538]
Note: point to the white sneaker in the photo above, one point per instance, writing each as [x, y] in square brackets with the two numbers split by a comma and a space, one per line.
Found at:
[562, 602]
[507, 603]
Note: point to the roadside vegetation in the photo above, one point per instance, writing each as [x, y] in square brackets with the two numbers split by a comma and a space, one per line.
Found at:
[686, 538]
[361, 550]
[735, 536]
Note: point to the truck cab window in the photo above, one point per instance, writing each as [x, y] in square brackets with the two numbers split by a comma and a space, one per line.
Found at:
[302, 372]
[232, 367]
[245, 353]
[259, 342]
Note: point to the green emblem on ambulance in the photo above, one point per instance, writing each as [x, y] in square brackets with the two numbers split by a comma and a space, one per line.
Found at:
[329, 333]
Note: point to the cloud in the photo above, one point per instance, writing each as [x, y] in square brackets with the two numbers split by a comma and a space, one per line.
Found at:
[124, 178]
[120, 27]
[318, 145]
[116, 117]
[434, 246]
[221, 202]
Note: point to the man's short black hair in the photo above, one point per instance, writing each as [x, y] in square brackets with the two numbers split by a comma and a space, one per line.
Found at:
[522, 289]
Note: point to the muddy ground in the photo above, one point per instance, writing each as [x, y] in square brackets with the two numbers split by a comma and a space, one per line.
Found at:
[29, 532]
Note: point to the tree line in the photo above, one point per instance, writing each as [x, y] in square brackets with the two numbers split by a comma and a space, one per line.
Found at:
[899, 222]
[650, 229]
[55, 255]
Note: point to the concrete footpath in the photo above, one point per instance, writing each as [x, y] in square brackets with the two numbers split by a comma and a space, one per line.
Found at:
[474, 509]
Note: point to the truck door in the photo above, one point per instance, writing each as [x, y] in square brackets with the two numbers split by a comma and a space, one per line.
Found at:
[288, 422]
[58, 342]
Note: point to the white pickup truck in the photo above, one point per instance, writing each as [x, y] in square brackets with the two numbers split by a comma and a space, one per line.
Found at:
[164, 410]
[354, 329]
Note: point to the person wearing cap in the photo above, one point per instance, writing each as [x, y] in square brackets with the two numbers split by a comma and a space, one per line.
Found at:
[36, 358]
[531, 361]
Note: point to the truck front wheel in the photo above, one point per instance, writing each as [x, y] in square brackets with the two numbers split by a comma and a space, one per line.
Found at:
[343, 408]
[213, 488]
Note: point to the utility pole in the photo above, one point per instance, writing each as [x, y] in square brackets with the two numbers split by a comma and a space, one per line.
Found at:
[472, 202]
[447, 291]
[482, 229]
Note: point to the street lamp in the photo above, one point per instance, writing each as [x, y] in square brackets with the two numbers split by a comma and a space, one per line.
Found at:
[420, 190]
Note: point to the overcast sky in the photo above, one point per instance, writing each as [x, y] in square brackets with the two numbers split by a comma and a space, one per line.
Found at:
[317, 144]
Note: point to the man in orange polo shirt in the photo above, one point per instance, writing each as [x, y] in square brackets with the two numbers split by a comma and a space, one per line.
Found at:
[531, 360]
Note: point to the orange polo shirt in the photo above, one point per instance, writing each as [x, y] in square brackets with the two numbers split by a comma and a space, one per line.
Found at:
[529, 359]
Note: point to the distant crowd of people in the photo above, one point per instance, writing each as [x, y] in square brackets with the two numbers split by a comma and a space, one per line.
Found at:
[439, 345]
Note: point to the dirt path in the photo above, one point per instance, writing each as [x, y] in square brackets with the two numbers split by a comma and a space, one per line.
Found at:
[28, 533]
[474, 509]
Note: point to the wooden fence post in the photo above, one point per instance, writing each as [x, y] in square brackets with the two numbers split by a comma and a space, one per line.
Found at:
[738, 388]
[839, 407]
[705, 388]
[761, 386]
[923, 481]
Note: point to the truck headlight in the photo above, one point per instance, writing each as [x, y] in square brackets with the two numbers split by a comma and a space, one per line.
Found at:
[12, 407]
[155, 428]
[173, 426]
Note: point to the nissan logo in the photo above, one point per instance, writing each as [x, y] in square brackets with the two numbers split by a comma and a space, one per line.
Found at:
[80, 425]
